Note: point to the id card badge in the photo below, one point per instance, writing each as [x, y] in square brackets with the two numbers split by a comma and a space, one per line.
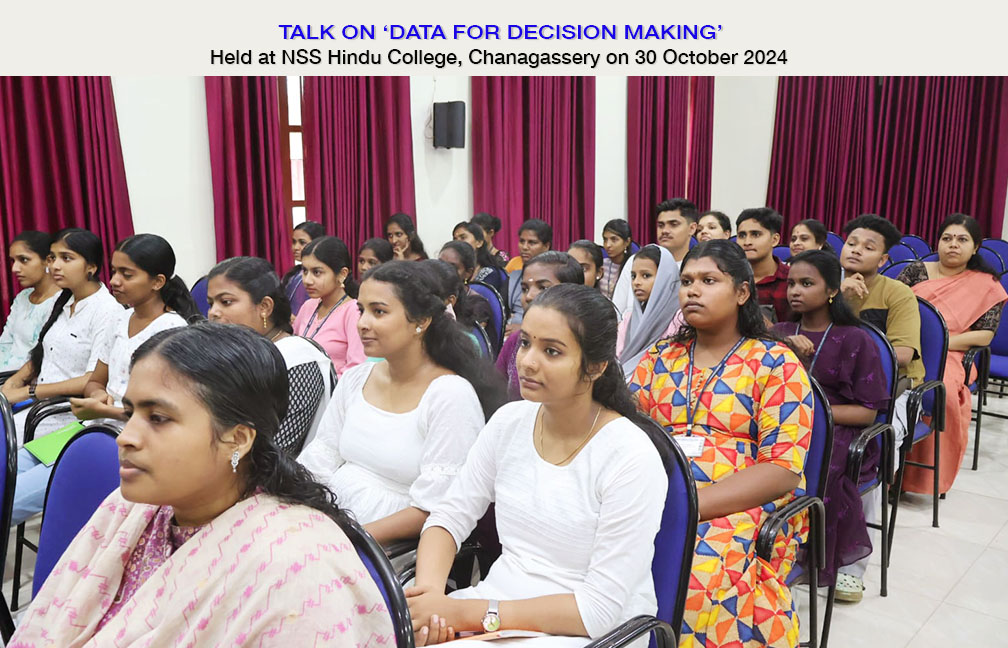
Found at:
[692, 446]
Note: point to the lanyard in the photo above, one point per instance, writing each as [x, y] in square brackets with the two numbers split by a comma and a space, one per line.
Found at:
[690, 409]
[322, 323]
[822, 343]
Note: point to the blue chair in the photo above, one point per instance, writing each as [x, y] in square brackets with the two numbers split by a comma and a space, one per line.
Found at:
[8, 478]
[672, 563]
[835, 241]
[992, 363]
[782, 252]
[880, 434]
[998, 245]
[894, 269]
[993, 259]
[378, 565]
[917, 244]
[486, 349]
[930, 257]
[926, 399]
[900, 252]
[634, 247]
[817, 461]
[498, 311]
[693, 242]
[199, 295]
[84, 474]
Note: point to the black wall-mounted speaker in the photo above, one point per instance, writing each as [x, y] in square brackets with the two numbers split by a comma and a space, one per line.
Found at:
[449, 124]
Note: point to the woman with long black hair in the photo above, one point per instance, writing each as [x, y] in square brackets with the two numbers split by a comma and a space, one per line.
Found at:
[401, 233]
[304, 233]
[29, 255]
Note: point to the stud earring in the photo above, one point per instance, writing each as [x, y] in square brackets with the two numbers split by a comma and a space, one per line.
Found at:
[234, 461]
[419, 330]
[831, 299]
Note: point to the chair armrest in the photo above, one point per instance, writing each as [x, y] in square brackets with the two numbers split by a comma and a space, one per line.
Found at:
[916, 396]
[20, 405]
[772, 526]
[403, 547]
[400, 547]
[856, 452]
[627, 632]
[4, 375]
[981, 356]
[42, 410]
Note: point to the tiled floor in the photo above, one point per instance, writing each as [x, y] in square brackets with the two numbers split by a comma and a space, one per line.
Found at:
[947, 586]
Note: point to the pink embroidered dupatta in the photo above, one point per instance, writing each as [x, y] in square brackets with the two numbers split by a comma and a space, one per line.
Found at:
[263, 573]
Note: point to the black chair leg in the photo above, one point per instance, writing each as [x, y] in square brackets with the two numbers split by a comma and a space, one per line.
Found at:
[898, 488]
[19, 540]
[6, 621]
[979, 422]
[828, 616]
[937, 475]
[885, 540]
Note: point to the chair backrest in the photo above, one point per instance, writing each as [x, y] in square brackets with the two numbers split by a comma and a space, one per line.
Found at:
[917, 244]
[934, 339]
[894, 269]
[993, 259]
[930, 257]
[693, 242]
[998, 245]
[782, 252]
[889, 368]
[999, 345]
[384, 576]
[817, 459]
[497, 310]
[900, 252]
[85, 472]
[634, 247]
[484, 341]
[675, 543]
[199, 295]
[835, 241]
[8, 474]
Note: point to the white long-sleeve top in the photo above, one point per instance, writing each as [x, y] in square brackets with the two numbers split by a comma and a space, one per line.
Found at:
[21, 330]
[587, 528]
[378, 462]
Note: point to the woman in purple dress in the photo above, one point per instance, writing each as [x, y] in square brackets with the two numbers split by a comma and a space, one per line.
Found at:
[842, 357]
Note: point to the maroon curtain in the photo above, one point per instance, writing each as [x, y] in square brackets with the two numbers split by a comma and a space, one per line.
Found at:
[243, 120]
[822, 161]
[61, 163]
[533, 154]
[942, 147]
[663, 114]
[358, 154]
[701, 152]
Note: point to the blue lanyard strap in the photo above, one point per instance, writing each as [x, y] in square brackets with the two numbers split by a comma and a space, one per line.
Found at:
[822, 343]
[322, 323]
[690, 409]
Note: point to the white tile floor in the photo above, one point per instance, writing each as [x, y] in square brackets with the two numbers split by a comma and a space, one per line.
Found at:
[947, 586]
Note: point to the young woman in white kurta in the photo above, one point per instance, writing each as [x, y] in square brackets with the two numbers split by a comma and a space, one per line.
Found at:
[29, 254]
[579, 491]
[397, 432]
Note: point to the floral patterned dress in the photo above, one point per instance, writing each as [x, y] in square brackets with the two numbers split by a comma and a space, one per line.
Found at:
[757, 410]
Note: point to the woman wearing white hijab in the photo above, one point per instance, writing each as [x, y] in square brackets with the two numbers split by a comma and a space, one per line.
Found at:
[654, 278]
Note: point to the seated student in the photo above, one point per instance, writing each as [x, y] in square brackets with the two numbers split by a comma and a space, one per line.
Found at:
[29, 253]
[567, 469]
[809, 234]
[401, 233]
[675, 222]
[452, 291]
[968, 294]
[616, 240]
[460, 256]
[69, 343]
[374, 252]
[758, 233]
[491, 225]
[541, 272]
[839, 354]
[728, 382]
[713, 225]
[486, 269]
[397, 432]
[246, 291]
[143, 269]
[304, 233]
[589, 255]
[641, 327]
[206, 499]
[534, 237]
[330, 315]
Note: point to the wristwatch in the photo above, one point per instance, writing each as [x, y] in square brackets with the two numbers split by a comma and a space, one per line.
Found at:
[31, 390]
[491, 620]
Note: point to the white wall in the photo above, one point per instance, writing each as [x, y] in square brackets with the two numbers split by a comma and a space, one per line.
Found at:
[744, 109]
[610, 150]
[443, 177]
[163, 129]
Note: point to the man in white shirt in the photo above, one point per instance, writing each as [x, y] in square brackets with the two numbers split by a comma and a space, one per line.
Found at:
[675, 223]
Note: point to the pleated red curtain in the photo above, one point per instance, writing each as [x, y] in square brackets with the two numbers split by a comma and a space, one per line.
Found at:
[61, 162]
[701, 153]
[358, 154]
[243, 120]
[533, 154]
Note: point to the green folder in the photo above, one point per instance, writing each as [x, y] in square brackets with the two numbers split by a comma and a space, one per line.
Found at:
[48, 448]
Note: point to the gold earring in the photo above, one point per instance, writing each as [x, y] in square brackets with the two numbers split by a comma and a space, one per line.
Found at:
[265, 323]
[831, 299]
